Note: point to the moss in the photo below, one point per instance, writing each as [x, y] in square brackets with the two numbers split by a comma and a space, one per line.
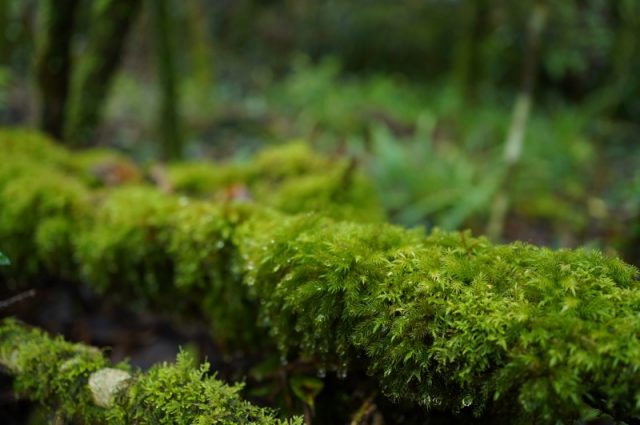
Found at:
[70, 380]
[184, 394]
[291, 178]
[451, 321]
[445, 320]
[104, 167]
[50, 370]
[129, 245]
[33, 207]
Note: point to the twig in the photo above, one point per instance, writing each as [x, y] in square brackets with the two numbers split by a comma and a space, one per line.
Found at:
[17, 298]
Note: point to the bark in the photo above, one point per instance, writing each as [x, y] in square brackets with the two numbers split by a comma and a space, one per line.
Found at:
[53, 62]
[110, 23]
[165, 55]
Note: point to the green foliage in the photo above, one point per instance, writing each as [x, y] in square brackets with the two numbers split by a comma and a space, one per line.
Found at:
[4, 260]
[56, 373]
[445, 320]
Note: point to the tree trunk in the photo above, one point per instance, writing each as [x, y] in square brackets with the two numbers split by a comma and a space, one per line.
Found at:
[169, 120]
[110, 23]
[53, 62]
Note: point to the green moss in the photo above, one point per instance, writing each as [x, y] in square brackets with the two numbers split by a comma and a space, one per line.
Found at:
[104, 167]
[203, 179]
[129, 244]
[51, 371]
[57, 373]
[445, 320]
[29, 203]
[184, 394]
[32, 145]
[451, 321]
[291, 178]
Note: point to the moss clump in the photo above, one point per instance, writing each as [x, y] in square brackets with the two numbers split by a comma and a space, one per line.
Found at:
[451, 321]
[129, 245]
[65, 377]
[290, 178]
[193, 398]
[37, 208]
[50, 370]
[445, 320]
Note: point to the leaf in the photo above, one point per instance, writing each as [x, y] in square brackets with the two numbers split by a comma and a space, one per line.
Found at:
[4, 260]
[306, 388]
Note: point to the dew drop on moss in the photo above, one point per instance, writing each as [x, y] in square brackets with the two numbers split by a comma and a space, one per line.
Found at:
[467, 401]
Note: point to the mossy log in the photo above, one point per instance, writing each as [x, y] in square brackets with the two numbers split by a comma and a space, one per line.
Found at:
[77, 382]
[446, 320]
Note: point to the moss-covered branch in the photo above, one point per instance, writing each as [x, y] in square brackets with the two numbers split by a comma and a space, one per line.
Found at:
[78, 382]
[445, 320]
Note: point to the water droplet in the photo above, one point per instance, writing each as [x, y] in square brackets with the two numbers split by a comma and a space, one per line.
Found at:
[467, 401]
[342, 371]
[426, 400]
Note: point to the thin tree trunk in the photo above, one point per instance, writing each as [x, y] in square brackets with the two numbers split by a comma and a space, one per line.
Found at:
[53, 62]
[201, 46]
[466, 47]
[169, 118]
[110, 23]
[515, 137]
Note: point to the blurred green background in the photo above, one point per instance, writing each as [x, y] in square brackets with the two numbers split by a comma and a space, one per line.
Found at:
[519, 119]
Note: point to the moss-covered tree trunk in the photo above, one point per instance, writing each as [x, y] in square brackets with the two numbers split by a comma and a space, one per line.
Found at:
[53, 62]
[169, 122]
[467, 48]
[4, 21]
[110, 23]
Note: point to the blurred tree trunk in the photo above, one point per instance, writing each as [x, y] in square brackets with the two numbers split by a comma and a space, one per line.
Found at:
[169, 118]
[519, 120]
[110, 22]
[53, 61]
[624, 80]
[201, 46]
[467, 47]
[4, 23]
